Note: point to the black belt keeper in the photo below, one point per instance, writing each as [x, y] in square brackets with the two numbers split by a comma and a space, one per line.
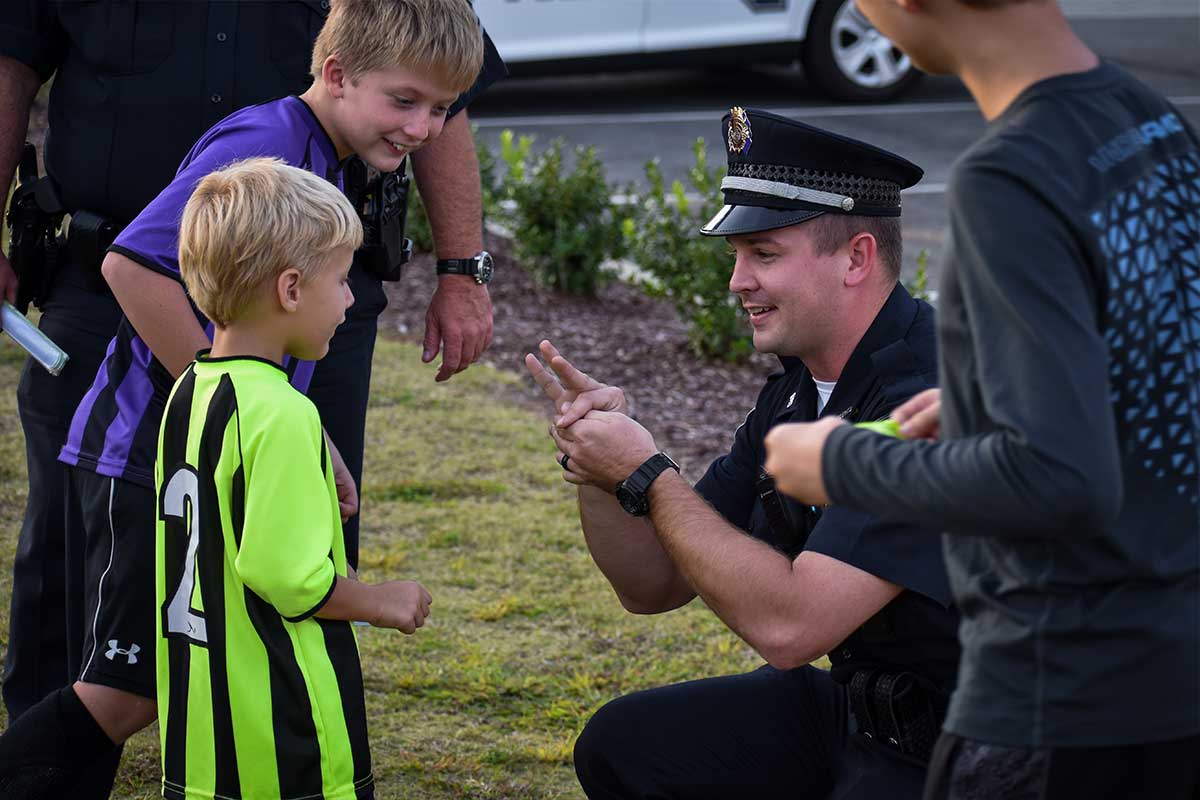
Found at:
[897, 710]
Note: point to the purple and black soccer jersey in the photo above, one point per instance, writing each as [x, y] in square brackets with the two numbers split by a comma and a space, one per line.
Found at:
[115, 428]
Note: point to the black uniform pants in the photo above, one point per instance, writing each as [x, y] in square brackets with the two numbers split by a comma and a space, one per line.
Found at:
[765, 734]
[81, 317]
[964, 769]
[341, 384]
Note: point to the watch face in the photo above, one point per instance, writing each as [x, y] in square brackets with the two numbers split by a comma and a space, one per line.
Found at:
[633, 503]
[485, 267]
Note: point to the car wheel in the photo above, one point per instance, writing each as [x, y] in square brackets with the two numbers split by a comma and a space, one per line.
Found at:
[847, 58]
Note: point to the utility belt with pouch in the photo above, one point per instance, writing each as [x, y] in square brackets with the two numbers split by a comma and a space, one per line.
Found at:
[38, 251]
[381, 200]
[899, 710]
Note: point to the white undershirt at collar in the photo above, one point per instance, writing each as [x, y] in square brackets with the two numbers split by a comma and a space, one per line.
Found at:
[824, 389]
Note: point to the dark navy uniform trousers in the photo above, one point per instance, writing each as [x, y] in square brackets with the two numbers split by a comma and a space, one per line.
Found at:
[765, 734]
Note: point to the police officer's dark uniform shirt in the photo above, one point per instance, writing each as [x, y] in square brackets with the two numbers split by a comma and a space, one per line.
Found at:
[894, 360]
[1067, 477]
[136, 87]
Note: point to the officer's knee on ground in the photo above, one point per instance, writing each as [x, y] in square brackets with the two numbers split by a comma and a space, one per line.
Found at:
[606, 746]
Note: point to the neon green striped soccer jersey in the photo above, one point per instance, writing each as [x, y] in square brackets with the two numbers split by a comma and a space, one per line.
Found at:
[257, 697]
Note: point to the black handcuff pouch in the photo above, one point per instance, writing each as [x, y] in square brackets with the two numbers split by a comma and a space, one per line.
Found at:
[898, 710]
[381, 200]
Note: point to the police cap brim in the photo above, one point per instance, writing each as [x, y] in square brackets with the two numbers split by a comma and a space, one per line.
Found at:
[734, 220]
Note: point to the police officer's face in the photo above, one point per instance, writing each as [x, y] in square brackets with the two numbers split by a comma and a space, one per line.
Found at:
[387, 113]
[790, 291]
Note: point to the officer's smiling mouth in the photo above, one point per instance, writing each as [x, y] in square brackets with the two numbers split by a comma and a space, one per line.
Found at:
[758, 313]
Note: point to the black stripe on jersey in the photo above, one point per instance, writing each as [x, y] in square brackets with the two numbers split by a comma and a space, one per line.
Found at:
[343, 656]
[237, 495]
[174, 444]
[291, 710]
[210, 564]
[104, 410]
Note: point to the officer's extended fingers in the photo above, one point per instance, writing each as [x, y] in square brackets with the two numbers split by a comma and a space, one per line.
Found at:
[543, 377]
[571, 376]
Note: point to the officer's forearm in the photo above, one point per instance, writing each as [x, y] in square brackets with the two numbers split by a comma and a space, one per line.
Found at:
[791, 612]
[626, 550]
[18, 87]
[159, 311]
[447, 173]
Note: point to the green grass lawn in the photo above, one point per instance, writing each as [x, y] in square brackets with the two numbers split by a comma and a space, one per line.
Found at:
[462, 493]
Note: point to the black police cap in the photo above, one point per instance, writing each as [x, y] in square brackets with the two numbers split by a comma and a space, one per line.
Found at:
[783, 172]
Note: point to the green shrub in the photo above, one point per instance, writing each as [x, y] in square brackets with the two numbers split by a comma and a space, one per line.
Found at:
[564, 223]
[690, 269]
[918, 287]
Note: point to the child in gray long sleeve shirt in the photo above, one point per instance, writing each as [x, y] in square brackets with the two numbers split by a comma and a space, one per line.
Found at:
[1068, 474]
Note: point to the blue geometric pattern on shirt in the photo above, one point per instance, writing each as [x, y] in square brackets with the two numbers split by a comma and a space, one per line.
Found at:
[1150, 235]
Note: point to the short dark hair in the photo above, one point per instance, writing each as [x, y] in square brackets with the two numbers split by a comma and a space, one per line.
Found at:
[831, 231]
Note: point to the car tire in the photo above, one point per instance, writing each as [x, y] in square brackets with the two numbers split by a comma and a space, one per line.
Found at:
[846, 58]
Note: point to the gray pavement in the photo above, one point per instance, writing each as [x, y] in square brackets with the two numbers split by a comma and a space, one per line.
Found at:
[632, 117]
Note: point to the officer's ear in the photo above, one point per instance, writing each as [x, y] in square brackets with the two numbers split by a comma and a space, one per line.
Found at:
[862, 252]
[287, 289]
[333, 74]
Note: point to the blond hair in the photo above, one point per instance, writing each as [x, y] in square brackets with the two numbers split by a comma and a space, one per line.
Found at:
[440, 39]
[249, 221]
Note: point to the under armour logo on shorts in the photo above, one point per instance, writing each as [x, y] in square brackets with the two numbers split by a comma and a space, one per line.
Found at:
[114, 649]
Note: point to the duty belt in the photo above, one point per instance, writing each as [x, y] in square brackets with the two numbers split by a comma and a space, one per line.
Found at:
[897, 710]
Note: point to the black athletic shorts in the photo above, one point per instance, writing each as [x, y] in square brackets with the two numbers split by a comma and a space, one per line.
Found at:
[110, 529]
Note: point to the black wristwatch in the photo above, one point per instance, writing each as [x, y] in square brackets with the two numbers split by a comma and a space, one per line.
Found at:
[631, 492]
[478, 267]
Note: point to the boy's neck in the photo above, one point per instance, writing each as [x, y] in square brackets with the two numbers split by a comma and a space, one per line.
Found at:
[1020, 45]
[246, 340]
[321, 104]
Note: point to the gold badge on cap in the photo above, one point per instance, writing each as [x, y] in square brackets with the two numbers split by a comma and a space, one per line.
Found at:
[740, 136]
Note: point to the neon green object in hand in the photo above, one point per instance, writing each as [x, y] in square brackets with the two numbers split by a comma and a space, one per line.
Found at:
[888, 427]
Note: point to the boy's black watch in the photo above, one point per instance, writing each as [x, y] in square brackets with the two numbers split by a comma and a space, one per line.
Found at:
[631, 492]
[478, 267]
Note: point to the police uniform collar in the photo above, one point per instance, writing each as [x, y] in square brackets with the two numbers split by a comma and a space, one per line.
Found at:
[889, 327]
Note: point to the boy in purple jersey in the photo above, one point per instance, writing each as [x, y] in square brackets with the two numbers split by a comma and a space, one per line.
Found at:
[385, 75]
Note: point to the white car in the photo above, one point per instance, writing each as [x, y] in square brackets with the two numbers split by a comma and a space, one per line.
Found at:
[841, 51]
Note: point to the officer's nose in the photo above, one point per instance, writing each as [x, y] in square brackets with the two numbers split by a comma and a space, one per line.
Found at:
[742, 279]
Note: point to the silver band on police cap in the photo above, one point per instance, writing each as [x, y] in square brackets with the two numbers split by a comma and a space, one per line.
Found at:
[787, 191]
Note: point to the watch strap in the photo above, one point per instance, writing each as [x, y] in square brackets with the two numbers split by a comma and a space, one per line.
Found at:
[634, 487]
[458, 266]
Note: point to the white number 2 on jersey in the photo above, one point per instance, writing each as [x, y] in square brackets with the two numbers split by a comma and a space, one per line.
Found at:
[184, 488]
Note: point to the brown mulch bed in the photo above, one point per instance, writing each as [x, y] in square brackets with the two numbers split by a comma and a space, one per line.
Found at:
[622, 337]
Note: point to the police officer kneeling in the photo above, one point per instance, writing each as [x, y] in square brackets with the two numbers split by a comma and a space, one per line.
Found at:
[813, 218]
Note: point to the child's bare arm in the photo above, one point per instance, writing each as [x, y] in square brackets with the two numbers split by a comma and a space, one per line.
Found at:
[158, 308]
[403, 605]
